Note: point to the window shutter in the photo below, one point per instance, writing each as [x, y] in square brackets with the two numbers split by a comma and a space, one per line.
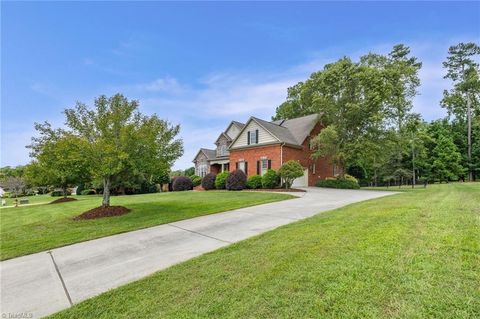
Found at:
[258, 167]
[246, 168]
[236, 165]
[248, 138]
[256, 136]
[269, 164]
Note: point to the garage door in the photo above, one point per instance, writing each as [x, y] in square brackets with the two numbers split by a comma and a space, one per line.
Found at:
[301, 181]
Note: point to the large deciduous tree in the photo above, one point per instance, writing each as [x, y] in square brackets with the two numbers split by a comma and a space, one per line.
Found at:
[117, 139]
[62, 161]
[463, 100]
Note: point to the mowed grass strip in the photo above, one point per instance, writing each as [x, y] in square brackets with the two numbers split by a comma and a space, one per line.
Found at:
[412, 255]
[36, 228]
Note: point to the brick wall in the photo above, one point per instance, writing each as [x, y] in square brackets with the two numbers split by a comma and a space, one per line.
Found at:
[252, 155]
[322, 168]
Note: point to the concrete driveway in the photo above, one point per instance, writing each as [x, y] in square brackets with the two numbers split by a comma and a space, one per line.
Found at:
[43, 283]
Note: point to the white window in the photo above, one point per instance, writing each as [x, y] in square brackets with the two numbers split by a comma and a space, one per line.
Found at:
[253, 137]
[263, 166]
[202, 170]
[241, 166]
[223, 150]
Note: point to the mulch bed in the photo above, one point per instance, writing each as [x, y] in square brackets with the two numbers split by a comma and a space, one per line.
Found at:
[63, 200]
[100, 212]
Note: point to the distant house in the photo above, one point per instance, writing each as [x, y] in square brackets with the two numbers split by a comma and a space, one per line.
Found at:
[1, 192]
[258, 145]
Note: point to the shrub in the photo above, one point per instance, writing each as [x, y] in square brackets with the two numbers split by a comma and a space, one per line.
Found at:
[221, 179]
[290, 171]
[88, 192]
[196, 180]
[80, 189]
[182, 183]
[236, 180]
[59, 193]
[208, 181]
[254, 182]
[343, 183]
[270, 179]
[349, 178]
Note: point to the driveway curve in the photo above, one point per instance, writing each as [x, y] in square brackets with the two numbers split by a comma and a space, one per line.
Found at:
[43, 283]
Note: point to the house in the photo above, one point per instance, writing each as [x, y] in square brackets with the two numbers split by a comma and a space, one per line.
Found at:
[258, 145]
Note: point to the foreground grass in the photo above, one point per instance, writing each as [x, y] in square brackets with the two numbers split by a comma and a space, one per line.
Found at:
[35, 228]
[412, 255]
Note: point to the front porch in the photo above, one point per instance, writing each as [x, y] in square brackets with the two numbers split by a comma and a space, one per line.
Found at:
[219, 166]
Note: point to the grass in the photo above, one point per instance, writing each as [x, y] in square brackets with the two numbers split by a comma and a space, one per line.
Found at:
[35, 228]
[411, 255]
[39, 199]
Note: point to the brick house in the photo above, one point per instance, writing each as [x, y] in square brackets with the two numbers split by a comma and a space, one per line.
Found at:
[258, 145]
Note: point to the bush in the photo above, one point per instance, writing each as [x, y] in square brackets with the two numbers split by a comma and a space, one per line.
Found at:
[344, 183]
[349, 178]
[182, 183]
[254, 182]
[208, 181]
[88, 192]
[196, 180]
[56, 193]
[220, 180]
[270, 179]
[80, 189]
[236, 180]
[290, 171]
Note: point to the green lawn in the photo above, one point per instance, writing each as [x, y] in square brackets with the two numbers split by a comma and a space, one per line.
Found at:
[411, 255]
[30, 229]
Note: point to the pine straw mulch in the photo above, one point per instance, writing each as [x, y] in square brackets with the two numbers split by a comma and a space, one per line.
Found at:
[63, 200]
[100, 212]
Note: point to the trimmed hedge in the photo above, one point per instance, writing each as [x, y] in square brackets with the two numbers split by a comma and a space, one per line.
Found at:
[208, 181]
[87, 192]
[338, 183]
[59, 193]
[270, 179]
[236, 181]
[182, 183]
[221, 180]
[254, 182]
[196, 180]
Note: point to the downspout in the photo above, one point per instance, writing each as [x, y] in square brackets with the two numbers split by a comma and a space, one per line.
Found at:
[281, 153]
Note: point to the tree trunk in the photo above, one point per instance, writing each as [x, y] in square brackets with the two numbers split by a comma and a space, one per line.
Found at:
[469, 139]
[64, 189]
[106, 192]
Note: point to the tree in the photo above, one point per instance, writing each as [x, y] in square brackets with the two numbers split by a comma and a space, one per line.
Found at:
[446, 160]
[463, 99]
[14, 184]
[118, 139]
[190, 171]
[62, 162]
[289, 171]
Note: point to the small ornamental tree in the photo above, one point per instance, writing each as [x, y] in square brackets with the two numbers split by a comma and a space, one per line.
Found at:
[236, 180]
[208, 181]
[254, 182]
[220, 180]
[182, 183]
[290, 171]
[270, 179]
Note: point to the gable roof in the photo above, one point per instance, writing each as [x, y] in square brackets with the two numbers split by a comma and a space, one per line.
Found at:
[292, 132]
[223, 134]
[210, 154]
[300, 127]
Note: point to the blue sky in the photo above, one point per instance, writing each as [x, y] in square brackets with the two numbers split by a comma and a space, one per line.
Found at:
[203, 64]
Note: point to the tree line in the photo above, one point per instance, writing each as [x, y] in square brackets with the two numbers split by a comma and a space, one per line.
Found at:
[370, 128]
